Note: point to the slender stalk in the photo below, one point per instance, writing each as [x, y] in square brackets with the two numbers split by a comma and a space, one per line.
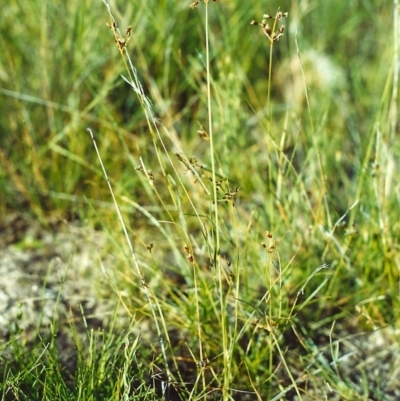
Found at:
[269, 121]
[269, 108]
[146, 290]
[211, 135]
[216, 256]
[396, 70]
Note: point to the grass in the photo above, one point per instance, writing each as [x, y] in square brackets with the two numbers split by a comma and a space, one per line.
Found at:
[254, 213]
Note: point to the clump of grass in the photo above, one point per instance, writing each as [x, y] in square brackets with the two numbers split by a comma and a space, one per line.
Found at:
[81, 363]
[253, 239]
[224, 291]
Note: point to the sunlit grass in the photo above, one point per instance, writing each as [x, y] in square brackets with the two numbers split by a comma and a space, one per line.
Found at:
[255, 183]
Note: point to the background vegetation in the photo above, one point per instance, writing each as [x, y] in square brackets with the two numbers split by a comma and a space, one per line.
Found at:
[251, 302]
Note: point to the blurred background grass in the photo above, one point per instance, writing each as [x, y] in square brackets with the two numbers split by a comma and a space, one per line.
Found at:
[61, 73]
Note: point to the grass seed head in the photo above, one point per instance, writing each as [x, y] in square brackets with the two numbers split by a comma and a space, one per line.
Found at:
[275, 32]
[197, 2]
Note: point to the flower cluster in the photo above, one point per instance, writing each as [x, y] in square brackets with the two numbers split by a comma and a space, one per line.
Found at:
[120, 41]
[273, 33]
[197, 2]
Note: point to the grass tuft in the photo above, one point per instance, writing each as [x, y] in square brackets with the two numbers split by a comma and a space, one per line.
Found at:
[246, 185]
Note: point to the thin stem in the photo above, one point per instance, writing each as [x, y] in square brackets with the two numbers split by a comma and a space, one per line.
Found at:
[211, 135]
[396, 68]
[269, 122]
[153, 304]
[216, 256]
[269, 108]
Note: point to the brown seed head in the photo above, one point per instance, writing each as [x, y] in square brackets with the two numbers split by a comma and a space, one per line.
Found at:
[274, 33]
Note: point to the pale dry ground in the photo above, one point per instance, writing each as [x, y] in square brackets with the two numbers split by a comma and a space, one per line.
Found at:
[48, 280]
[52, 276]
[44, 274]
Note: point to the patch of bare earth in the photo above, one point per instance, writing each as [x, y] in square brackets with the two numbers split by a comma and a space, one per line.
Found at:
[50, 276]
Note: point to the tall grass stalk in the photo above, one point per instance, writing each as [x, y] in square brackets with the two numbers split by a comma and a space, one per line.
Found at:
[217, 260]
[216, 257]
[156, 311]
[393, 113]
[152, 122]
[153, 125]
